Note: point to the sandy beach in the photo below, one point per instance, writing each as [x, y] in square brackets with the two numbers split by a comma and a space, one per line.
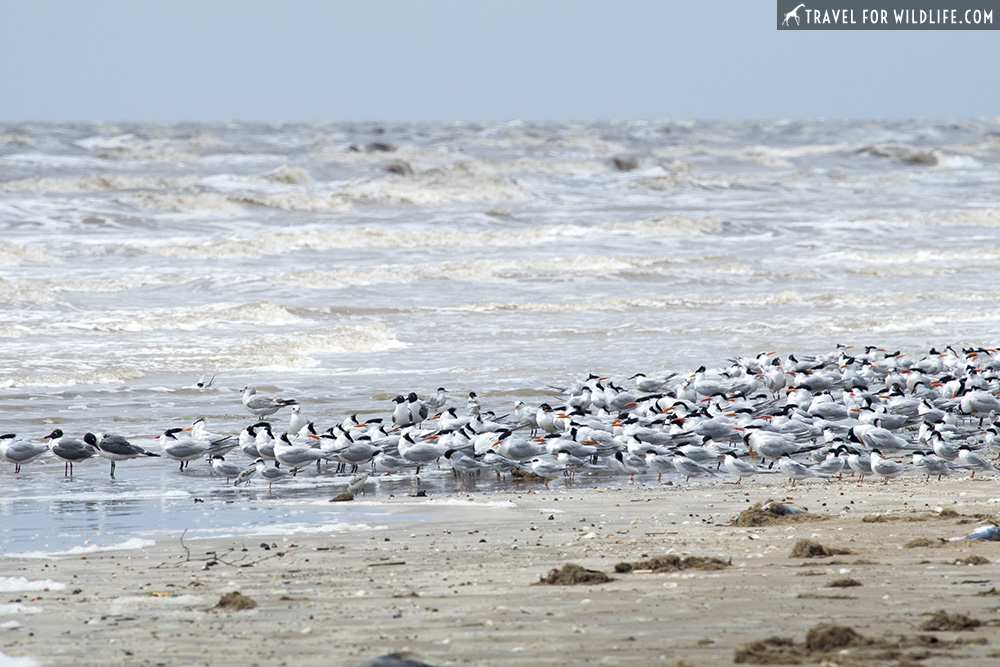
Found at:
[459, 587]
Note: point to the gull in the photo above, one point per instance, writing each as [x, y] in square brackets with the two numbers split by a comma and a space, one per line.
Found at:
[71, 450]
[742, 468]
[19, 452]
[418, 411]
[296, 422]
[884, 467]
[225, 468]
[262, 406]
[116, 448]
[401, 413]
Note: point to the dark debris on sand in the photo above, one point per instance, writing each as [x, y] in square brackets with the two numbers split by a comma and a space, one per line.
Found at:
[395, 660]
[922, 542]
[942, 620]
[342, 498]
[809, 549]
[671, 563]
[572, 574]
[840, 645]
[236, 600]
[771, 512]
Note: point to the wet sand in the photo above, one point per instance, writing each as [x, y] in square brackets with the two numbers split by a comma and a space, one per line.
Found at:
[458, 587]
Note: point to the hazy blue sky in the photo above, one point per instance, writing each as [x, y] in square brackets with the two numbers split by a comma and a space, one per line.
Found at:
[472, 60]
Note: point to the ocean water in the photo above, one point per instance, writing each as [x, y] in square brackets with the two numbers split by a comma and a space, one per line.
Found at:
[342, 264]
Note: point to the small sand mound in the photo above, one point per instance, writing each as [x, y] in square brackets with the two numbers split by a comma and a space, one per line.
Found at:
[236, 600]
[971, 560]
[519, 475]
[942, 620]
[809, 549]
[832, 638]
[770, 651]
[923, 542]
[771, 512]
[344, 497]
[820, 639]
[571, 574]
[671, 563]
[843, 583]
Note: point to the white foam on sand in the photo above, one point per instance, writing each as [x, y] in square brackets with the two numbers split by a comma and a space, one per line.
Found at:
[133, 543]
[8, 661]
[18, 584]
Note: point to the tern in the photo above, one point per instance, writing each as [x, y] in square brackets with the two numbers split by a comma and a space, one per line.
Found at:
[262, 406]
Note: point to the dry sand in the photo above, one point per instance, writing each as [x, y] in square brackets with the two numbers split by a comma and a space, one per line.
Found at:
[458, 588]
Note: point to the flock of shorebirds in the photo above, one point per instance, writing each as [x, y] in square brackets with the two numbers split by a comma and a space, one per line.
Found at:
[864, 412]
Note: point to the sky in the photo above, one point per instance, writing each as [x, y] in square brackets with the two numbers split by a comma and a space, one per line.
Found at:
[473, 60]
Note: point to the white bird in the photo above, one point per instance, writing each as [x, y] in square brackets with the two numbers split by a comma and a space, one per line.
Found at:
[357, 483]
[660, 463]
[262, 406]
[796, 470]
[71, 450]
[859, 463]
[186, 449]
[932, 464]
[224, 468]
[690, 468]
[884, 467]
[20, 452]
[547, 468]
[969, 459]
[117, 448]
[741, 468]
[271, 473]
[435, 403]
[295, 456]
